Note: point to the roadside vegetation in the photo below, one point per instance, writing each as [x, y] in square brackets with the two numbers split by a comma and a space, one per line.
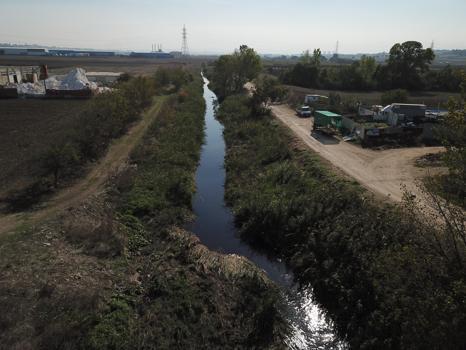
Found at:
[452, 133]
[388, 277]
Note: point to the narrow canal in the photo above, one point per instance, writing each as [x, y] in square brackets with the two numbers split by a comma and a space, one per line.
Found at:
[214, 225]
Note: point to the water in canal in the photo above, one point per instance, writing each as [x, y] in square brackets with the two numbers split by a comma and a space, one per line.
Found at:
[214, 226]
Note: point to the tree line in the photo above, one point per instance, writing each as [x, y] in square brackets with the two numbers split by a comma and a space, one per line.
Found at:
[408, 67]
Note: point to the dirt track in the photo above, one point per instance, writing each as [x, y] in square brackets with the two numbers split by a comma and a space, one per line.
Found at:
[381, 172]
[95, 180]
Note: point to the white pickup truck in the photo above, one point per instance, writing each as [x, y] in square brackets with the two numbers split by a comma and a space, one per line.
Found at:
[303, 111]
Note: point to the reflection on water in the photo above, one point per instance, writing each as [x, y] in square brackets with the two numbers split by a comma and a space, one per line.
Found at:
[215, 227]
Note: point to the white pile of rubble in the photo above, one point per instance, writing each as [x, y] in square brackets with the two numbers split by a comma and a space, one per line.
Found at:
[76, 79]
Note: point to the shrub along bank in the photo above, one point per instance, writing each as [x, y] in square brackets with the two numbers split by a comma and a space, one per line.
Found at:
[189, 297]
[371, 266]
[119, 272]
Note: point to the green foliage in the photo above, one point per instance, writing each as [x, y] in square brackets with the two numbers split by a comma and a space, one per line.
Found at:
[407, 62]
[452, 134]
[231, 72]
[166, 160]
[106, 117]
[407, 68]
[180, 305]
[394, 96]
[445, 79]
[58, 159]
[302, 74]
[175, 77]
[305, 57]
[370, 266]
[267, 89]
[112, 331]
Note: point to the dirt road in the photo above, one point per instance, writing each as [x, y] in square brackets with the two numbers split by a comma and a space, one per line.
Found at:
[381, 172]
[93, 182]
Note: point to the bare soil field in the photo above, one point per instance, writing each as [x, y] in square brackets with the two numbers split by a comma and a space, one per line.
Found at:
[135, 66]
[27, 129]
[431, 99]
[95, 180]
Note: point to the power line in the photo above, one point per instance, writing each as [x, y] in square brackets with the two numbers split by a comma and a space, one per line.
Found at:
[184, 46]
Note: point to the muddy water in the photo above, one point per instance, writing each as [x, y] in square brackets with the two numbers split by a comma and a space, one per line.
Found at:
[214, 225]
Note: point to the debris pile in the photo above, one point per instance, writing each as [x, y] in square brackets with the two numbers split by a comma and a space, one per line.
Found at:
[29, 89]
[75, 80]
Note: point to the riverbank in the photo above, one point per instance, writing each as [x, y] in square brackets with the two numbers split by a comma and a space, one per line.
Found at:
[375, 272]
[118, 271]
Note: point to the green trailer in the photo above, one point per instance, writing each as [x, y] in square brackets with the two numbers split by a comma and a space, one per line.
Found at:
[327, 121]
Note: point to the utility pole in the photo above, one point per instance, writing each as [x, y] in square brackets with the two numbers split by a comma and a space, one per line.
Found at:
[184, 45]
[336, 49]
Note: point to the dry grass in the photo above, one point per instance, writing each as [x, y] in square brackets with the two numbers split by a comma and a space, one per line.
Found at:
[49, 290]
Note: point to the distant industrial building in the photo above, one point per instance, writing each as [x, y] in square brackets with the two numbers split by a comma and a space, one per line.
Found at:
[15, 51]
[176, 54]
[82, 53]
[156, 54]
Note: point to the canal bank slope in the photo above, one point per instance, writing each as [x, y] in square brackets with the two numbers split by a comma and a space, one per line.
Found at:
[118, 271]
[375, 271]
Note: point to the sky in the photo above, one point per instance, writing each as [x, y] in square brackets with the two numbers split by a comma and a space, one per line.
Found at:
[220, 26]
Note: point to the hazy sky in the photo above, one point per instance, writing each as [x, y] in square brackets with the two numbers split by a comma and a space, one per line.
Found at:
[215, 26]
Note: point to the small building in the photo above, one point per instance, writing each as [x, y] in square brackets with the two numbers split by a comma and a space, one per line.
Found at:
[313, 99]
[20, 74]
[327, 119]
[403, 113]
[10, 75]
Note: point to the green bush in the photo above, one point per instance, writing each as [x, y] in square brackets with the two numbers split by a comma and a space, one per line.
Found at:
[164, 185]
[113, 329]
[380, 280]
[394, 96]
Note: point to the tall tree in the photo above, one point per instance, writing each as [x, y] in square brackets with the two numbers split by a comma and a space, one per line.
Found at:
[407, 62]
[249, 65]
[231, 72]
[367, 68]
[316, 57]
[305, 57]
